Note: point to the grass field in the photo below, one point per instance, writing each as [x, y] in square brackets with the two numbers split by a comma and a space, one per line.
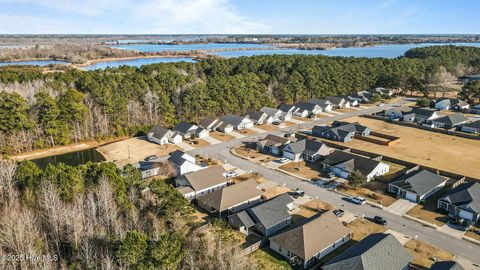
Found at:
[445, 152]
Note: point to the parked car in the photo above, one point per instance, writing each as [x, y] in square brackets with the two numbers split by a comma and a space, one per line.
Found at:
[151, 158]
[462, 224]
[380, 220]
[356, 200]
[231, 174]
[298, 193]
[275, 123]
[339, 212]
[283, 160]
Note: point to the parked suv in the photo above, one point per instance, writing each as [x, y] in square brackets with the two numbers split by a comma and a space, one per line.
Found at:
[357, 200]
[151, 158]
[379, 220]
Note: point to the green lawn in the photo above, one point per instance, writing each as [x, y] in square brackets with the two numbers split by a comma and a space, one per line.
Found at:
[269, 260]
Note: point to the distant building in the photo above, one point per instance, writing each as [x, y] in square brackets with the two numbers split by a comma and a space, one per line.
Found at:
[273, 144]
[449, 121]
[341, 131]
[469, 78]
[450, 104]
[472, 127]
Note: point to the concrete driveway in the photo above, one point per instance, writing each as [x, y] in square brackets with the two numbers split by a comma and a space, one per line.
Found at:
[185, 146]
[211, 140]
[400, 207]
[257, 129]
[236, 134]
[451, 230]
[296, 121]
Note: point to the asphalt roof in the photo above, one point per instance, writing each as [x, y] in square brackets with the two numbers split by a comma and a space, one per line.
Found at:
[305, 106]
[453, 119]
[375, 252]
[335, 100]
[428, 112]
[352, 162]
[418, 181]
[185, 127]
[270, 111]
[446, 265]
[241, 219]
[320, 102]
[227, 197]
[307, 239]
[286, 107]
[306, 146]
[465, 196]
[159, 131]
[475, 124]
[232, 119]
[256, 115]
[207, 177]
[273, 211]
[178, 157]
[273, 140]
[207, 122]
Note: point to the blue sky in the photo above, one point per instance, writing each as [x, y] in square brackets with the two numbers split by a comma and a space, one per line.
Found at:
[239, 16]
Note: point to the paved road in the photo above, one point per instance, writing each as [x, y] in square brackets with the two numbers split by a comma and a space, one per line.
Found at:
[410, 228]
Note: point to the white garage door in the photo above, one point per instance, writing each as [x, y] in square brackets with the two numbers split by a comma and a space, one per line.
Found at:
[411, 196]
[465, 215]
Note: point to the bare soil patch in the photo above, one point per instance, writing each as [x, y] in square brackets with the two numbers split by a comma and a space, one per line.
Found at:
[424, 255]
[197, 143]
[304, 169]
[362, 228]
[134, 150]
[445, 152]
[268, 127]
[289, 124]
[428, 212]
[373, 191]
[311, 208]
[221, 136]
[275, 191]
[247, 132]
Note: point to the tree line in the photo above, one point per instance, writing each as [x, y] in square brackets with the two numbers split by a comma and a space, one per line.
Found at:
[47, 109]
[96, 216]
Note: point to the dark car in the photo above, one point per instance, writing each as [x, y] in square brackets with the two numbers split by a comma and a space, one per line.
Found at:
[151, 158]
[379, 220]
[275, 123]
[461, 224]
[339, 212]
[298, 193]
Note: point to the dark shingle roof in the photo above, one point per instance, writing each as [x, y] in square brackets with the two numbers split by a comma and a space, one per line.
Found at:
[241, 219]
[270, 111]
[184, 127]
[207, 122]
[306, 106]
[453, 119]
[419, 181]
[306, 146]
[465, 196]
[425, 112]
[232, 119]
[352, 162]
[446, 265]
[335, 100]
[286, 107]
[375, 252]
[272, 212]
[320, 102]
[475, 124]
[256, 115]
[177, 157]
[159, 132]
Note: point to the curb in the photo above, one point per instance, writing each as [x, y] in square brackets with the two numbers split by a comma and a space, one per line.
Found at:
[471, 240]
[428, 224]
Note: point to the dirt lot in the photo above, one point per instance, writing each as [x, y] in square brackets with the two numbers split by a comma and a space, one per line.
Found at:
[424, 254]
[304, 169]
[247, 176]
[374, 191]
[362, 228]
[311, 208]
[247, 152]
[221, 136]
[275, 191]
[197, 143]
[289, 124]
[472, 234]
[428, 212]
[445, 152]
[247, 132]
[268, 127]
[134, 150]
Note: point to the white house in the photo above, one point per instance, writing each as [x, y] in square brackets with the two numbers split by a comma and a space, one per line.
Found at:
[417, 185]
[183, 162]
[163, 135]
[274, 114]
[473, 127]
[204, 181]
[237, 122]
[449, 121]
[186, 130]
[451, 104]
[310, 108]
[325, 105]
[201, 133]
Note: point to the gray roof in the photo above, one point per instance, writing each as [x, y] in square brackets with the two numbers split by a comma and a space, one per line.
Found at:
[375, 252]
[232, 119]
[273, 140]
[241, 219]
[177, 157]
[465, 196]
[206, 178]
[446, 265]
[306, 146]
[452, 101]
[184, 127]
[475, 124]
[335, 100]
[419, 181]
[256, 115]
[306, 106]
[207, 122]
[272, 212]
[352, 127]
[321, 102]
[352, 162]
[286, 108]
[425, 112]
[453, 119]
[270, 111]
[159, 132]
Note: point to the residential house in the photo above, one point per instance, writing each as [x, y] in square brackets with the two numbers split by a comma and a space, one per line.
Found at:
[237, 122]
[204, 181]
[306, 109]
[210, 124]
[421, 115]
[287, 108]
[150, 168]
[201, 133]
[353, 102]
[362, 96]
[183, 162]
[231, 199]
[308, 150]
[325, 105]
[275, 114]
[397, 112]
[341, 131]
[472, 127]
[450, 104]
[446, 265]
[417, 185]
[309, 242]
[449, 121]
[469, 78]
[377, 251]
[163, 135]
[343, 163]
[225, 127]
[475, 109]
[338, 102]
[463, 201]
[381, 91]
[273, 144]
[259, 117]
[266, 218]
[186, 130]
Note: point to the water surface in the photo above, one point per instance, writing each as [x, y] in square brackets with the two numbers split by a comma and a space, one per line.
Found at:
[137, 62]
[189, 47]
[73, 159]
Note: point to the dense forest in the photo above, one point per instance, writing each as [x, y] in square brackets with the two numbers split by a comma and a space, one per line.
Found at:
[47, 109]
[96, 216]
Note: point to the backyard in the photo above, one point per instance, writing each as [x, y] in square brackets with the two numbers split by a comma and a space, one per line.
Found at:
[445, 152]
